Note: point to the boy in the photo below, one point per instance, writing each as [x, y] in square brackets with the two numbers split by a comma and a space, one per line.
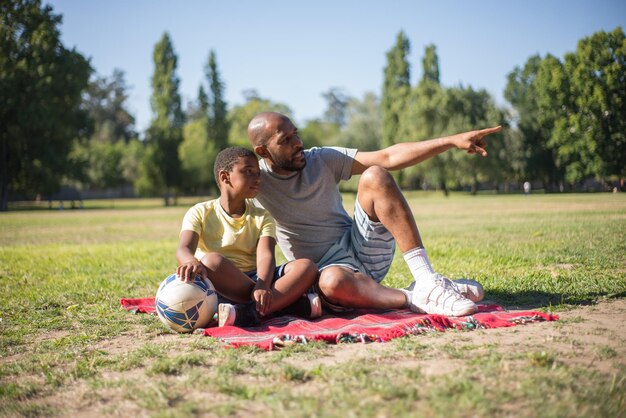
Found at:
[231, 241]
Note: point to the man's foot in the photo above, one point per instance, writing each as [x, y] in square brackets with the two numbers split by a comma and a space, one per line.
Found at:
[438, 295]
[469, 288]
[241, 315]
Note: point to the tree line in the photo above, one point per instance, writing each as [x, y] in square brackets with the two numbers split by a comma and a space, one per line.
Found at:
[62, 124]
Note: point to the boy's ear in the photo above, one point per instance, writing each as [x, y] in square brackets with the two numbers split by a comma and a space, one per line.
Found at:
[224, 176]
[261, 151]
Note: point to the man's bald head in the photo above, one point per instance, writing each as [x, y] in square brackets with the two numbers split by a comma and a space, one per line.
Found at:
[263, 126]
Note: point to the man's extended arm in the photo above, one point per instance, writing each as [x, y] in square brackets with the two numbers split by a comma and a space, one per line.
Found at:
[406, 154]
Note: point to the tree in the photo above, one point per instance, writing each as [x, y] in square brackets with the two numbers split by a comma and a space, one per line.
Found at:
[430, 65]
[535, 121]
[468, 109]
[98, 162]
[423, 118]
[364, 128]
[396, 88]
[318, 133]
[336, 102]
[41, 83]
[166, 128]
[240, 116]
[590, 133]
[105, 101]
[198, 153]
[218, 126]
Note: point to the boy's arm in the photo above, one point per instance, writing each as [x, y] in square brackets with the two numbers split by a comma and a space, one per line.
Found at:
[266, 263]
[188, 265]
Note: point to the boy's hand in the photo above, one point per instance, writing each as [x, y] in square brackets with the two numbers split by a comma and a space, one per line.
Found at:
[262, 295]
[188, 271]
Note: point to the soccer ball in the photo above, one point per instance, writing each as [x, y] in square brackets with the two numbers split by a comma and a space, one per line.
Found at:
[185, 306]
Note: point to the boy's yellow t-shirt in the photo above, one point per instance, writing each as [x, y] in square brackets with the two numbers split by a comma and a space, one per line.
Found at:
[234, 238]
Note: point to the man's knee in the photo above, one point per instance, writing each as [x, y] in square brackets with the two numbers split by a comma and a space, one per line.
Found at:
[376, 178]
[335, 283]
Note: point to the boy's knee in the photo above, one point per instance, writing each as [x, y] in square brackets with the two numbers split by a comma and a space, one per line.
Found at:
[306, 268]
[212, 260]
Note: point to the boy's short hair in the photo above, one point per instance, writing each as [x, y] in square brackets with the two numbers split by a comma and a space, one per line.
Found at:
[227, 158]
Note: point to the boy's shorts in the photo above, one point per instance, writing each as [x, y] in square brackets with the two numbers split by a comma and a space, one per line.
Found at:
[367, 247]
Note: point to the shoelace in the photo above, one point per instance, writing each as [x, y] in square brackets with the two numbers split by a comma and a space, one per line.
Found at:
[449, 287]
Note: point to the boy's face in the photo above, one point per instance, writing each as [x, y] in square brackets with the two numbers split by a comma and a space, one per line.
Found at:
[245, 177]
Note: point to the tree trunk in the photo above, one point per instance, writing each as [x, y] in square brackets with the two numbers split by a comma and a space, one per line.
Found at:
[4, 195]
[166, 197]
[4, 188]
[444, 188]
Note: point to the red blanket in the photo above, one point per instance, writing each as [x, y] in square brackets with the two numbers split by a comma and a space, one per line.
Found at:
[357, 326]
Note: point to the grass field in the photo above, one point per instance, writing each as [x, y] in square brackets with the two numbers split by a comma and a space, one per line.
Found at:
[68, 349]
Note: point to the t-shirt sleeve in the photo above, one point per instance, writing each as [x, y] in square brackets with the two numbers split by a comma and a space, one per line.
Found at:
[193, 220]
[268, 226]
[339, 160]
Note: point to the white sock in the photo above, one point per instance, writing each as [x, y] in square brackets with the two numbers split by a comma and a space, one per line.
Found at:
[418, 263]
[407, 295]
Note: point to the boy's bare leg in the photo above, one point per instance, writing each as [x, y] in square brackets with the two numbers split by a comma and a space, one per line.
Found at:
[228, 279]
[298, 278]
[235, 285]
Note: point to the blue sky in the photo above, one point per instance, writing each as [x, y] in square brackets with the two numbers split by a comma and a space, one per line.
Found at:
[293, 51]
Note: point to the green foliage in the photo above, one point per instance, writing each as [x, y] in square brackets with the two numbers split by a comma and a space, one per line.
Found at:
[105, 101]
[101, 163]
[41, 83]
[336, 104]
[571, 111]
[396, 88]
[364, 124]
[590, 135]
[218, 124]
[166, 128]
[197, 153]
[318, 133]
[430, 64]
[523, 90]
[240, 116]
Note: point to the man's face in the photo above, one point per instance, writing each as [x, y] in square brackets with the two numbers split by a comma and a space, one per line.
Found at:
[285, 148]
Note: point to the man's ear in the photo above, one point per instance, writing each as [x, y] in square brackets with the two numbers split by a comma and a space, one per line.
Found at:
[261, 151]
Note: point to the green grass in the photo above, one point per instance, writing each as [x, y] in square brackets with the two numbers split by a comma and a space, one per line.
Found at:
[65, 339]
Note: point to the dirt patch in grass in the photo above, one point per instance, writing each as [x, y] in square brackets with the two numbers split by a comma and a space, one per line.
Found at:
[587, 339]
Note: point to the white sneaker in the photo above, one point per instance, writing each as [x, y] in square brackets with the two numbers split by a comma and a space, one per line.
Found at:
[438, 295]
[316, 305]
[226, 314]
[469, 288]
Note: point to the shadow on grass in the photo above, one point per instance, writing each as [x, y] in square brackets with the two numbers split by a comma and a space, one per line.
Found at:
[531, 299]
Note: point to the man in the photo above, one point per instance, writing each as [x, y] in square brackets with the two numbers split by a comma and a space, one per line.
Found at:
[299, 188]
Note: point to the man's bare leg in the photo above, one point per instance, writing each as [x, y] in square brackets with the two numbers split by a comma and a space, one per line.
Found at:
[341, 286]
[381, 199]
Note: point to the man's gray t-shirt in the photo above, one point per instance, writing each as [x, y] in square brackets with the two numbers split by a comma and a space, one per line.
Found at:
[306, 204]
